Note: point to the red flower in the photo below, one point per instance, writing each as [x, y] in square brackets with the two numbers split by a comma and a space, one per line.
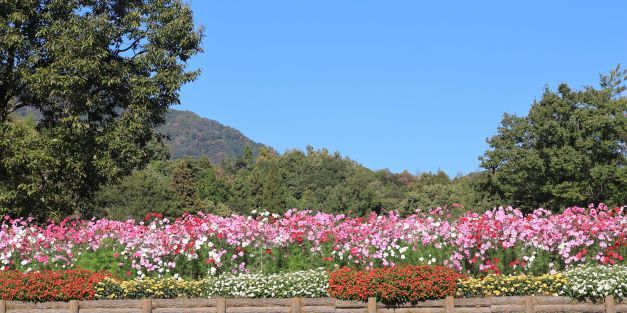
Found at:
[49, 285]
[394, 285]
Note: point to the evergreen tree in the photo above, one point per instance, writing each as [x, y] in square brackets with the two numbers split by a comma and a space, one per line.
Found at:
[272, 195]
[211, 186]
[246, 160]
[184, 185]
[569, 149]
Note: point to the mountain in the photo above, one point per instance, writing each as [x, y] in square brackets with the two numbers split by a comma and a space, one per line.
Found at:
[192, 136]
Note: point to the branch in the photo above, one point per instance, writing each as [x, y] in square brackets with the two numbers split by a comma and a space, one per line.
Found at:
[138, 53]
[131, 46]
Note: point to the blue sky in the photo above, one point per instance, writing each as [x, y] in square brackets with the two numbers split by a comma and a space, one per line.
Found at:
[394, 84]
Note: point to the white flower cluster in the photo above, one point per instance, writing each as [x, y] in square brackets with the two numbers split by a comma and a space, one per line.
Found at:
[595, 282]
[306, 284]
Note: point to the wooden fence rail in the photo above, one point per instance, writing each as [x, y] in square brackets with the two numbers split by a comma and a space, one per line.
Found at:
[531, 304]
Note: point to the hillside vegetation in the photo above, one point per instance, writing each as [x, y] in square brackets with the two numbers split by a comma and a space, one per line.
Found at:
[189, 135]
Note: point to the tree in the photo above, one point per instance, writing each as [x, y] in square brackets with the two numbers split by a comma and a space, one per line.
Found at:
[569, 150]
[184, 185]
[244, 191]
[272, 190]
[102, 75]
[211, 186]
[246, 160]
[138, 194]
[431, 196]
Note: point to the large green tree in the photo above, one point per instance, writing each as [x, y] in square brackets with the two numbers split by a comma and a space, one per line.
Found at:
[138, 194]
[569, 149]
[101, 73]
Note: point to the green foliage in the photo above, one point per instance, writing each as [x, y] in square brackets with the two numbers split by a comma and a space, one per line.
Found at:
[106, 259]
[432, 190]
[183, 184]
[138, 194]
[192, 136]
[30, 176]
[315, 179]
[102, 75]
[272, 197]
[569, 149]
[211, 185]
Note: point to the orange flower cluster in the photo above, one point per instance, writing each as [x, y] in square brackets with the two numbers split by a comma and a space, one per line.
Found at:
[394, 285]
[49, 285]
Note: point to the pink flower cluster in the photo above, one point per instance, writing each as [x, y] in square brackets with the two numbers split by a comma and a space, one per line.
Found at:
[154, 245]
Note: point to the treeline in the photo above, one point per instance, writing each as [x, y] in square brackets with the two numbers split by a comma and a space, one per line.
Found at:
[311, 179]
[569, 150]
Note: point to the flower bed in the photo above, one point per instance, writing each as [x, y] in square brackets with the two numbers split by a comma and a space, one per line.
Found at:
[307, 284]
[511, 285]
[497, 241]
[594, 283]
[49, 285]
[394, 285]
[391, 286]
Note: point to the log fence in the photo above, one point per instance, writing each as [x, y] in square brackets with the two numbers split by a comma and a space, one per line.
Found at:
[531, 304]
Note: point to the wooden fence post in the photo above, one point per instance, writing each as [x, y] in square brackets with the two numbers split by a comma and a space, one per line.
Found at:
[220, 305]
[73, 306]
[529, 304]
[372, 305]
[610, 304]
[147, 306]
[449, 304]
[295, 305]
[3, 306]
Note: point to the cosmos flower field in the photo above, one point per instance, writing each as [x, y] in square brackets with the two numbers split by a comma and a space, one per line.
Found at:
[502, 240]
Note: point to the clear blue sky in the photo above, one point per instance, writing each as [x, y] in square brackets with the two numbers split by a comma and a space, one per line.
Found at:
[394, 84]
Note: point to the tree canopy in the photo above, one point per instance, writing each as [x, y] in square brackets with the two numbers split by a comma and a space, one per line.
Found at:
[569, 149]
[102, 75]
[312, 179]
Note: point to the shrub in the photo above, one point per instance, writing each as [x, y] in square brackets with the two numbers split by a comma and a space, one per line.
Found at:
[502, 285]
[594, 283]
[49, 285]
[394, 285]
[310, 284]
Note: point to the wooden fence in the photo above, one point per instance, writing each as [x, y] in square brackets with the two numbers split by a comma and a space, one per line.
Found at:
[322, 305]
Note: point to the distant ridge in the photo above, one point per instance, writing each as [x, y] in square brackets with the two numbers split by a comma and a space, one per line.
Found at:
[191, 135]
